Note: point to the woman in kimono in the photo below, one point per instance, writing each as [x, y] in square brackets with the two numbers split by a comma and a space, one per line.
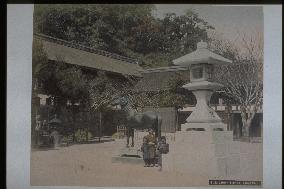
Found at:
[151, 147]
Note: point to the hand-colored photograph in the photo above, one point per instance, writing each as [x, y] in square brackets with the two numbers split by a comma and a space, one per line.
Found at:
[147, 95]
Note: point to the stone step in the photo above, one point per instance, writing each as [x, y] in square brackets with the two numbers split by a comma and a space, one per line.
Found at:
[131, 160]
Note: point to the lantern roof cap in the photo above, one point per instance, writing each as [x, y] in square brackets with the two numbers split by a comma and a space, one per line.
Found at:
[201, 55]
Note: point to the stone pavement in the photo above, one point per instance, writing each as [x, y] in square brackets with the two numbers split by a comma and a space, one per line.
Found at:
[91, 165]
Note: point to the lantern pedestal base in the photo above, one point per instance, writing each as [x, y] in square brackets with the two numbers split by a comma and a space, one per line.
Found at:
[210, 154]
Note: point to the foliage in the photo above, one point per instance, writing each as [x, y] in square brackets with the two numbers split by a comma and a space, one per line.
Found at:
[67, 139]
[185, 31]
[117, 135]
[128, 30]
[101, 26]
[63, 80]
[81, 136]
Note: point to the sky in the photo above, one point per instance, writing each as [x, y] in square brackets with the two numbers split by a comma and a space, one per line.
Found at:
[229, 21]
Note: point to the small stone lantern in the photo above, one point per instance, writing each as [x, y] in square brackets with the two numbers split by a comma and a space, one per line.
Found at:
[201, 64]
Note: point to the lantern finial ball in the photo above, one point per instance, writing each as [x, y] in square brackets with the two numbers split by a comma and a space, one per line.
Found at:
[202, 45]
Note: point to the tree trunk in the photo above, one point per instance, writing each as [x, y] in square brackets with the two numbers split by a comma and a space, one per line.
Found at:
[246, 127]
[246, 131]
[247, 116]
[229, 113]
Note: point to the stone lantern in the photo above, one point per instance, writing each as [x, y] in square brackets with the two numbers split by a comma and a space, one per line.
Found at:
[201, 64]
[203, 147]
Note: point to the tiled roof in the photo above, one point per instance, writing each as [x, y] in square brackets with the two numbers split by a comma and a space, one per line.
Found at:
[158, 79]
[77, 54]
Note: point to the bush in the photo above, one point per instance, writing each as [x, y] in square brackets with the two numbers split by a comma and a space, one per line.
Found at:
[117, 136]
[81, 137]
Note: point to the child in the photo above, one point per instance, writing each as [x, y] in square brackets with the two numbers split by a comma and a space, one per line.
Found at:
[145, 151]
[162, 148]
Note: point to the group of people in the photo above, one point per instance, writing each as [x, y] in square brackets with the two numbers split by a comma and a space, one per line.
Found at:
[152, 150]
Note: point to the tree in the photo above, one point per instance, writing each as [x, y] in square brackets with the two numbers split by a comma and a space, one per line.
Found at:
[159, 41]
[128, 30]
[243, 79]
[59, 80]
[101, 26]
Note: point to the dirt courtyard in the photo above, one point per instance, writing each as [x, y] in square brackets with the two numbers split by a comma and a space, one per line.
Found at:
[91, 165]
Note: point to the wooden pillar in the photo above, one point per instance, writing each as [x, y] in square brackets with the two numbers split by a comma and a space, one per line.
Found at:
[100, 126]
[87, 136]
[177, 120]
[261, 128]
[229, 112]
